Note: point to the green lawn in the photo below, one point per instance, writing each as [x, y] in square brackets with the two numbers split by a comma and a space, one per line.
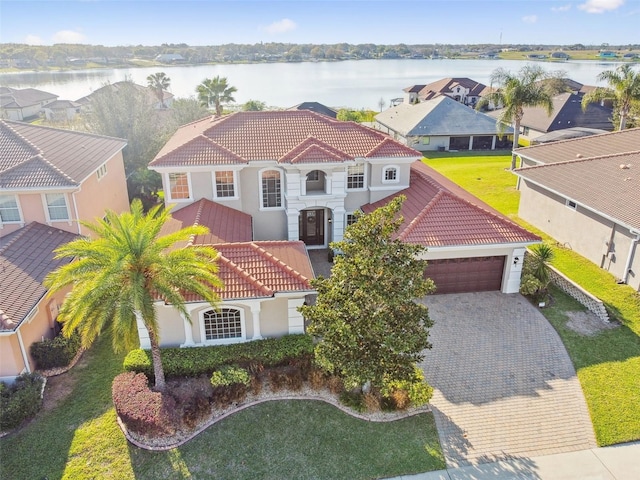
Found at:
[80, 439]
[607, 364]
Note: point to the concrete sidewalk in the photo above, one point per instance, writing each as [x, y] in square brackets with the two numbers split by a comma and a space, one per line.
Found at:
[619, 462]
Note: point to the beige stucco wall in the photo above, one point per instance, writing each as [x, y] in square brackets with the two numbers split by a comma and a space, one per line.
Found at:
[273, 317]
[596, 238]
[11, 362]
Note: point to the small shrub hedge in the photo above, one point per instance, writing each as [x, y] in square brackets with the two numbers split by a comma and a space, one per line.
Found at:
[192, 362]
[142, 410]
[55, 352]
[20, 400]
[404, 393]
[230, 375]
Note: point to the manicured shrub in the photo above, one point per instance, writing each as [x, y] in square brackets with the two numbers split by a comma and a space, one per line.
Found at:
[56, 352]
[191, 362]
[230, 385]
[143, 411]
[412, 392]
[20, 400]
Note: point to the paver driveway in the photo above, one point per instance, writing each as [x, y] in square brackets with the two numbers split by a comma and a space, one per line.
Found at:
[504, 384]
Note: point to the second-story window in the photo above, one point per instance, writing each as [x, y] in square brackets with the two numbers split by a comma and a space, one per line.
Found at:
[271, 189]
[224, 184]
[57, 206]
[179, 186]
[355, 176]
[9, 211]
[102, 171]
[390, 174]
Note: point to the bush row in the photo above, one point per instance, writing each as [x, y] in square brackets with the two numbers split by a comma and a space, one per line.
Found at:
[20, 400]
[56, 352]
[192, 362]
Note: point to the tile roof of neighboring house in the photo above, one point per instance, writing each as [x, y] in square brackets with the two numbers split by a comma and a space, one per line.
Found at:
[413, 88]
[439, 116]
[61, 104]
[273, 135]
[446, 85]
[592, 146]
[439, 214]
[26, 257]
[262, 269]
[566, 134]
[316, 107]
[567, 112]
[35, 157]
[26, 97]
[226, 225]
[608, 184]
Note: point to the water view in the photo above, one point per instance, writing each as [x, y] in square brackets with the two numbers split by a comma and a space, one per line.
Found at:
[354, 84]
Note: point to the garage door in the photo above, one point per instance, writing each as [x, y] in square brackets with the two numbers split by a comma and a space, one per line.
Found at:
[458, 275]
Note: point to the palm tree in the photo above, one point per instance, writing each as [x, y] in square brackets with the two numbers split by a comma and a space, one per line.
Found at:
[514, 92]
[624, 90]
[159, 82]
[119, 275]
[214, 92]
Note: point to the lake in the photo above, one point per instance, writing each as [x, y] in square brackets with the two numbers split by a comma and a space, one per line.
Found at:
[354, 83]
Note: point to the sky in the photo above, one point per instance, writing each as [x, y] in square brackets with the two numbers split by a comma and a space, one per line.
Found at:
[216, 22]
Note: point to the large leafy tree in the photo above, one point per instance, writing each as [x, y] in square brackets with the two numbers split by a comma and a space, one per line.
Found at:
[214, 92]
[623, 91]
[120, 273]
[371, 328]
[159, 82]
[515, 91]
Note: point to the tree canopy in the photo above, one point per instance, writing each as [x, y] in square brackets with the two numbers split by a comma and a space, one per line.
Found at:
[369, 325]
[623, 91]
[214, 92]
[121, 272]
[159, 82]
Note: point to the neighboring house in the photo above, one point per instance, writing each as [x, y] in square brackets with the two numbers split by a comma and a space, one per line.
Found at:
[442, 124]
[170, 58]
[61, 110]
[26, 314]
[585, 193]
[566, 134]
[264, 283]
[560, 56]
[23, 104]
[567, 113]
[607, 54]
[85, 102]
[271, 185]
[58, 177]
[462, 89]
[316, 107]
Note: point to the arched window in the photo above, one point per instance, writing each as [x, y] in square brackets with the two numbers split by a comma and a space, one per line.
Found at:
[390, 174]
[223, 324]
[271, 189]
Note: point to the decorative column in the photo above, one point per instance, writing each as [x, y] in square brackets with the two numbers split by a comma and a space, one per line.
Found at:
[338, 214]
[513, 271]
[143, 333]
[471, 143]
[493, 142]
[293, 224]
[255, 315]
[188, 333]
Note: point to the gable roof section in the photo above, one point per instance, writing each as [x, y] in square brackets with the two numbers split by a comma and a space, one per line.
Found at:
[446, 85]
[435, 216]
[262, 269]
[25, 97]
[440, 116]
[273, 135]
[225, 224]
[32, 156]
[26, 257]
[592, 146]
[609, 185]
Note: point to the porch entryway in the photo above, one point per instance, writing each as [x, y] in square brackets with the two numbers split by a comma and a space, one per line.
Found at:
[312, 227]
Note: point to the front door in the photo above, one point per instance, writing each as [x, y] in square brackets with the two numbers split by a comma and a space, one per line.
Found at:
[311, 227]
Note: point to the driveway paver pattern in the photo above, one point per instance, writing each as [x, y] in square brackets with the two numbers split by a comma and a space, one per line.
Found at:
[505, 387]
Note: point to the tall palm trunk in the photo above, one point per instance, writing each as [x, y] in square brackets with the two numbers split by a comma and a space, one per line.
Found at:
[623, 119]
[158, 370]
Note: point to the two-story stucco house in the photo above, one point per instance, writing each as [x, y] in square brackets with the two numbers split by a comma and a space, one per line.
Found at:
[50, 180]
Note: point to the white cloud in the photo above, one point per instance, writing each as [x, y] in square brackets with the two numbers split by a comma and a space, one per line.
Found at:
[69, 36]
[600, 6]
[32, 40]
[281, 26]
[530, 19]
[563, 8]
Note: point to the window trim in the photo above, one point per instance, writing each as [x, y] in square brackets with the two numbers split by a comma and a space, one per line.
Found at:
[101, 172]
[235, 195]
[222, 341]
[346, 218]
[21, 217]
[261, 185]
[364, 178]
[168, 192]
[46, 207]
[571, 205]
[388, 168]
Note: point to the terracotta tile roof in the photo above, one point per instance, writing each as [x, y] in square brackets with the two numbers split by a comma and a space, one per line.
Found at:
[33, 156]
[609, 184]
[313, 150]
[445, 85]
[26, 257]
[436, 216]
[225, 224]
[592, 146]
[273, 135]
[261, 269]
